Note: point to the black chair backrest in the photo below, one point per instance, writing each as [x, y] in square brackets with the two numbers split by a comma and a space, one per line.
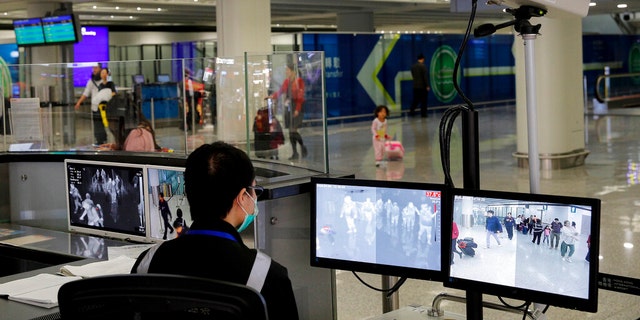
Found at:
[159, 296]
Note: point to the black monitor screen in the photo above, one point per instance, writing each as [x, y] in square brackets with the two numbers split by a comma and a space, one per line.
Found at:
[60, 29]
[28, 32]
[382, 227]
[106, 199]
[538, 248]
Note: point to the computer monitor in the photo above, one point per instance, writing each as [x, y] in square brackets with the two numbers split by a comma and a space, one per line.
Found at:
[162, 78]
[28, 32]
[106, 199]
[384, 227]
[61, 29]
[170, 182]
[517, 267]
[137, 79]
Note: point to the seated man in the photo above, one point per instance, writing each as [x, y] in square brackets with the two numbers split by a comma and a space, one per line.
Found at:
[220, 187]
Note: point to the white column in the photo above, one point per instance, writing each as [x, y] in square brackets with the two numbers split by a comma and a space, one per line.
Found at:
[560, 105]
[242, 26]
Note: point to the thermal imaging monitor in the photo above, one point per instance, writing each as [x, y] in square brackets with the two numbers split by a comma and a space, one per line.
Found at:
[382, 227]
[106, 199]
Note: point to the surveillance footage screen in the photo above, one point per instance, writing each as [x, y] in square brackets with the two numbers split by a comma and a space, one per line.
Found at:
[539, 248]
[106, 199]
[169, 214]
[377, 227]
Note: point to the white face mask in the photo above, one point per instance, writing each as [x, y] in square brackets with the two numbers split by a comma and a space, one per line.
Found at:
[248, 218]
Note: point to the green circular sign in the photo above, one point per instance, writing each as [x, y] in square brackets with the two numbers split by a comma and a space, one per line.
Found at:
[441, 73]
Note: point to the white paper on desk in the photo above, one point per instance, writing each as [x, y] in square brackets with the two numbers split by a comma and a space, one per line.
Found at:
[40, 290]
[131, 251]
[119, 265]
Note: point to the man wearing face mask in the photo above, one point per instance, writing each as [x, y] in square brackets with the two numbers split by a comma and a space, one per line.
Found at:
[223, 199]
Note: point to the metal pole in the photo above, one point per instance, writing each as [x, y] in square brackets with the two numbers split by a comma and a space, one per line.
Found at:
[392, 302]
[532, 119]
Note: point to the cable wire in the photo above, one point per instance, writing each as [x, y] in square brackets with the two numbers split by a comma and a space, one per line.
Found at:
[449, 116]
[389, 291]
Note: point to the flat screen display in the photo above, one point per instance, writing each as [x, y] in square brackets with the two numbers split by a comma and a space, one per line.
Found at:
[520, 258]
[28, 32]
[382, 227]
[171, 217]
[162, 78]
[59, 29]
[138, 78]
[106, 199]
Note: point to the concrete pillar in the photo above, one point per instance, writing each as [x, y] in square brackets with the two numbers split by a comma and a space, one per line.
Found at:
[560, 105]
[242, 26]
[356, 22]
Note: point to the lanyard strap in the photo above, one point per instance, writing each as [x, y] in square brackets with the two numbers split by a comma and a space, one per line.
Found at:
[219, 234]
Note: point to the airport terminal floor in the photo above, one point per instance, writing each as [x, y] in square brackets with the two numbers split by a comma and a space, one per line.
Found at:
[610, 173]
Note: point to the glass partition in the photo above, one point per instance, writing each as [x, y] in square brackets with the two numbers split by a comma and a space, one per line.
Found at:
[271, 105]
[285, 104]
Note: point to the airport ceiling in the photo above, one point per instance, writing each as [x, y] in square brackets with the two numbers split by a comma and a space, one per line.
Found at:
[287, 15]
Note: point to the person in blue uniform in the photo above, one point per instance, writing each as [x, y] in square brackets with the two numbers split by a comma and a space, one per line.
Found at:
[493, 227]
[220, 187]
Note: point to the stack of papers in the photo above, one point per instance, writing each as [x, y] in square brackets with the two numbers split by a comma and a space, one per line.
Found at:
[119, 265]
[40, 290]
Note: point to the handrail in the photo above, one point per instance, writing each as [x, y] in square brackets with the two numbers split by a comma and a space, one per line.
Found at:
[607, 88]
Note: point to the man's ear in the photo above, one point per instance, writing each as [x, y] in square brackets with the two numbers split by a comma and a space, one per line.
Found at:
[240, 196]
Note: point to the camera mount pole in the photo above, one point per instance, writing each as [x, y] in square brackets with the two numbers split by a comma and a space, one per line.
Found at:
[529, 33]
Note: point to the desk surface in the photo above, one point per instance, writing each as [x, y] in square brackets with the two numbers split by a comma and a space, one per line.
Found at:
[82, 248]
[12, 310]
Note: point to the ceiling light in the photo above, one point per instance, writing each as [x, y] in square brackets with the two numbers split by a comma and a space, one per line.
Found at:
[117, 8]
[159, 9]
[95, 7]
[622, 5]
[138, 8]
[592, 4]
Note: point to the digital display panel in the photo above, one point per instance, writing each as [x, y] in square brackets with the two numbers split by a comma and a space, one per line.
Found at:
[106, 199]
[534, 247]
[383, 227]
[59, 29]
[28, 32]
[170, 217]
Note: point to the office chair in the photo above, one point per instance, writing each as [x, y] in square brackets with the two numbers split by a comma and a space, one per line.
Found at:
[159, 296]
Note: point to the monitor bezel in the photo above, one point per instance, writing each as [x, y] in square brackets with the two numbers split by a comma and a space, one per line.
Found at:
[375, 268]
[14, 22]
[588, 304]
[76, 29]
[149, 201]
[110, 233]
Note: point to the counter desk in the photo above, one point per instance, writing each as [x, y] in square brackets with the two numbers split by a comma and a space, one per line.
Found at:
[34, 203]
